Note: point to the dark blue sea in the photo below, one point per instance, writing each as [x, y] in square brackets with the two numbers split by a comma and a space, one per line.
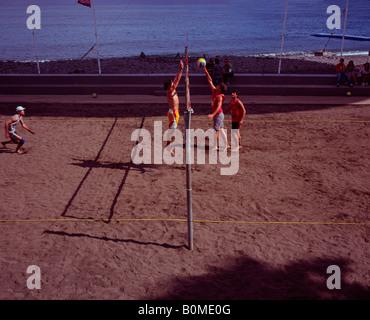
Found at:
[128, 27]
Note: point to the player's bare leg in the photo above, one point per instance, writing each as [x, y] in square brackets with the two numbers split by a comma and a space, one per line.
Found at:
[20, 144]
[215, 147]
[236, 138]
[18, 149]
[4, 143]
[224, 136]
[170, 140]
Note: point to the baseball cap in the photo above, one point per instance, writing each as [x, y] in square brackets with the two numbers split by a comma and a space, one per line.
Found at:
[20, 108]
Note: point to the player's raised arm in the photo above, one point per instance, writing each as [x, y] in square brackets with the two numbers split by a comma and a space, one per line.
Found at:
[178, 76]
[209, 78]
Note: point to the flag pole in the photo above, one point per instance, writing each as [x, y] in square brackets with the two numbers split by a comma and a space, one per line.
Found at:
[282, 38]
[96, 37]
[187, 117]
[37, 58]
[344, 29]
[34, 44]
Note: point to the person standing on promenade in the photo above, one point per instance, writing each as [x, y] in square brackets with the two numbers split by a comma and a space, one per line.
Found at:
[227, 72]
[217, 73]
[340, 68]
[210, 66]
[237, 115]
[173, 101]
[10, 130]
[217, 114]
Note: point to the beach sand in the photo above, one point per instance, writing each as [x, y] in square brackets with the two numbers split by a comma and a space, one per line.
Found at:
[298, 204]
[102, 227]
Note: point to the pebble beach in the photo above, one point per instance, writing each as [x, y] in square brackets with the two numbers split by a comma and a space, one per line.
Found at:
[142, 64]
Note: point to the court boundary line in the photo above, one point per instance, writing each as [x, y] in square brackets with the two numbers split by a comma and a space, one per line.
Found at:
[205, 119]
[115, 120]
[185, 220]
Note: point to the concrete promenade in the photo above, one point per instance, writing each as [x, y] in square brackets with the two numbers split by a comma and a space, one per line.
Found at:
[196, 99]
[152, 85]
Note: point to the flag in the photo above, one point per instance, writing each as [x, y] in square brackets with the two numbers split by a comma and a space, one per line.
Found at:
[86, 3]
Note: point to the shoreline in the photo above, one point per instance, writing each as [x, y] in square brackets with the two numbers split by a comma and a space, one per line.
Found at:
[295, 63]
[171, 55]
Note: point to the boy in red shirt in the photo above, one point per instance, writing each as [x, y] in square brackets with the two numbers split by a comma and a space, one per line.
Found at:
[217, 114]
[237, 115]
[340, 68]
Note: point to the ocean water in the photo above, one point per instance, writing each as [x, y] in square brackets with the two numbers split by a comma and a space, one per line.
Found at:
[129, 27]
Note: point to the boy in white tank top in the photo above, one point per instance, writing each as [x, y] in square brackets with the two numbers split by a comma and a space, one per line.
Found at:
[10, 130]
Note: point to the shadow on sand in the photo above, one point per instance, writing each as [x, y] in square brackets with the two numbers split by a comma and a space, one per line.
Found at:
[82, 235]
[247, 279]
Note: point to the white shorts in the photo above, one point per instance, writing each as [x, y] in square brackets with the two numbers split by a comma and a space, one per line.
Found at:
[14, 136]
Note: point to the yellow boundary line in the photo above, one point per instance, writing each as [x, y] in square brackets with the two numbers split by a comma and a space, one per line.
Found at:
[200, 221]
[165, 119]
[184, 220]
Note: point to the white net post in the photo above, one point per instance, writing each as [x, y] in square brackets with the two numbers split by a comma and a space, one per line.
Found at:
[96, 37]
[187, 117]
[35, 47]
[283, 35]
[344, 30]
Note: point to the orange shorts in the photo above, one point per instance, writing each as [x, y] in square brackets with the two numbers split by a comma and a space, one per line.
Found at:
[173, 118]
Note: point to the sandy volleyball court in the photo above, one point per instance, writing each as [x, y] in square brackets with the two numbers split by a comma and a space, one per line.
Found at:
[299, 203]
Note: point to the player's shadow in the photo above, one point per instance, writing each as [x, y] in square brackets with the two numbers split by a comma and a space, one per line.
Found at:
[142, 168]
[91, 164]
[5, 150]
[82, 235]
[126, 167]
[205, 147]
[193, 146]
[262, 109]
[246, 278]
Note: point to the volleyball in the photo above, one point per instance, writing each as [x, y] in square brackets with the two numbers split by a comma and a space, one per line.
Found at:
[94, 95]
[201, 62]
[349, 93]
